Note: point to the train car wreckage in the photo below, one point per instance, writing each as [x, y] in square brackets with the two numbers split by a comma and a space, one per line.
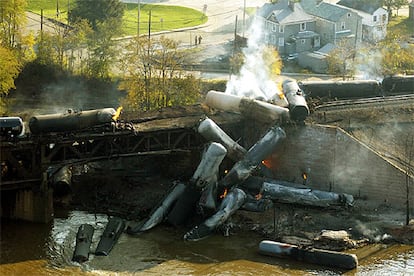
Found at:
[222, 197]
[246, 185]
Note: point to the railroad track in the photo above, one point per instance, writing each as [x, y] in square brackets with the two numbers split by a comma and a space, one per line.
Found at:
[366, 102]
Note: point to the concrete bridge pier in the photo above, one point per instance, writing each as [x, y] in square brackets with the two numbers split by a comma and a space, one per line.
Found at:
[31, 204]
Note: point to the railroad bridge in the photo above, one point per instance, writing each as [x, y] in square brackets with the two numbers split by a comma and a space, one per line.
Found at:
[332, 159]
[25, 186]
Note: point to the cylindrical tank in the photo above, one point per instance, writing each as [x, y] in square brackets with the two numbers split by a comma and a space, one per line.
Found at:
[83, 243]
[253, 158]
[251, 108]
[11, 127]
[298, 107]
[205, 175]
[70, 121]
[311, 255]
[341, 89]
[212, 132]
[398, 84]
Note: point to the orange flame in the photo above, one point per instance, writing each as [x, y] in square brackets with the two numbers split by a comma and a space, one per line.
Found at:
[117, 113]
[267, 163]
[224, 194]
[304, 176]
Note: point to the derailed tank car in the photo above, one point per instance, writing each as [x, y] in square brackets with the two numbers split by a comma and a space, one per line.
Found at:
[11, 127]
[298, 108]
[71, 121]
[341, 89]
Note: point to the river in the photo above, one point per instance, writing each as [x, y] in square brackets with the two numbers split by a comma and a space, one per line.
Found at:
[47, 249]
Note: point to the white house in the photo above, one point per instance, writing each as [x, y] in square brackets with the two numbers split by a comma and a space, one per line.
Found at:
[374, 18]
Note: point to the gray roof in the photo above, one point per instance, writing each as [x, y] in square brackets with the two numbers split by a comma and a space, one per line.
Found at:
[330, 12]
[281, 13]
[362, 5]
[326, 49]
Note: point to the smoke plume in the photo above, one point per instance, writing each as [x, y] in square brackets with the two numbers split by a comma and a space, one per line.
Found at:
[253, 79]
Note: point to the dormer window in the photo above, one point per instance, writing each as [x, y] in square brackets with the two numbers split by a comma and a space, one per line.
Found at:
[303, 27]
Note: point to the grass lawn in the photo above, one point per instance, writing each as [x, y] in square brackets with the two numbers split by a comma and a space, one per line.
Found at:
[162, 17]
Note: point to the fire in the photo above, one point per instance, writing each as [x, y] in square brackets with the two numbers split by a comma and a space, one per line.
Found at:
[117, 113]
[281, 96]
[267, 163]
[304, 176]
[223, 195]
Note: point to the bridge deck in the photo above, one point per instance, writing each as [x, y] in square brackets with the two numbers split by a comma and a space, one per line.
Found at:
[156, 132]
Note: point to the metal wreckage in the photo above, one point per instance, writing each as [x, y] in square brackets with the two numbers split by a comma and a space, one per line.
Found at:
[204, 188]
[246, 186]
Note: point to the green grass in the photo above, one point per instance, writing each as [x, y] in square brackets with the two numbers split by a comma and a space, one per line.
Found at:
[162, 17]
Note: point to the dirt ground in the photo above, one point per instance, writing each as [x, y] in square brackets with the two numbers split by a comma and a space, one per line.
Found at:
[132, 188]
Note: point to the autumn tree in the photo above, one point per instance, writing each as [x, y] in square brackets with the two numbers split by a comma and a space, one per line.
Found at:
[12, 19]
[341, 60]
[397, 56]
[9, 69]
[154, 77]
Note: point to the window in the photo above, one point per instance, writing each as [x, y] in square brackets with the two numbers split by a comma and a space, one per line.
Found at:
[281, 41]
[273, 27]
[349, 14]
[281, 29]
[384, 18]
[273, 39]
[375, 18]
[303, 41]
[342, 25]
[303, 26]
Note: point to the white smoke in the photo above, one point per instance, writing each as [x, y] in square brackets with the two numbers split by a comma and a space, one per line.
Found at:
[368, 64]
[253, 79]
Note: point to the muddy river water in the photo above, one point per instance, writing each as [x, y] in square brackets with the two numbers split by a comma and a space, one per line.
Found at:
[47, 249]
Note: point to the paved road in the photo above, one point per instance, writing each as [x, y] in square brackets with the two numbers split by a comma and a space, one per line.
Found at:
[221, 18]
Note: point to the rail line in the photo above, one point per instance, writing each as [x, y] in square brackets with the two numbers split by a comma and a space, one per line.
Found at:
[387, 100]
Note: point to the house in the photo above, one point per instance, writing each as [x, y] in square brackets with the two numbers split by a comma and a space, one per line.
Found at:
[374, 18]
[288, 27]
[411, 10]
[335, 23]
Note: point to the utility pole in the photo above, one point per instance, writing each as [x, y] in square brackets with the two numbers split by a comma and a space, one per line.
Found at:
[139, 16]
[68, 11]
[244, 17]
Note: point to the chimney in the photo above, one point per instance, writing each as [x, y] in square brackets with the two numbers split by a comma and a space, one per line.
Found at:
[291, 4]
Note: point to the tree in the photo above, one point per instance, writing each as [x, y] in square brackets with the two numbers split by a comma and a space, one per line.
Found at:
[9, 69]
[97, 12]
[12, 18]
[397, 57]
[58, 48]
[101, 50]
[393, 4]
[153, 75]
[341, 60]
